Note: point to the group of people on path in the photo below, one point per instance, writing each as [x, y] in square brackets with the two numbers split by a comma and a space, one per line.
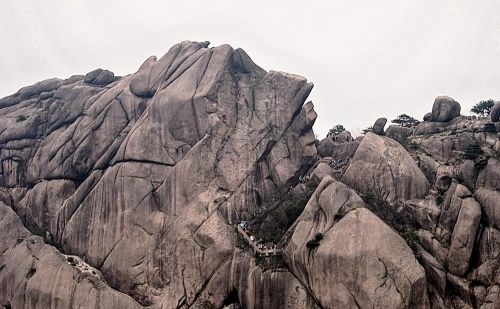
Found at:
[245, 226]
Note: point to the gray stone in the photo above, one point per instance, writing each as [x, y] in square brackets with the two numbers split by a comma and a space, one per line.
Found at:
[434, 270]
[325, 147]
[444, 148]
[35, 274]
[343, 137]
[469, 173]
[258, 288]
[450, 209]
[463, 237]
[490, 205]
[321, 171]
[368, 264]
[383, 166]
[495, 112]
[398, 133]
[99, 77]
[427, 117]
[344, 151]
[421, 212]
[489, 177]
[141, 178]
[444, 109]
[378, 126]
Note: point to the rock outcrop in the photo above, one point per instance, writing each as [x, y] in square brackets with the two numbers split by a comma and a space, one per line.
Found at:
[444, 109]
[156, 165]
[495, 112]
[384, 167]
[378, 126]
[196, 183]
[368, 264]
[36, 275]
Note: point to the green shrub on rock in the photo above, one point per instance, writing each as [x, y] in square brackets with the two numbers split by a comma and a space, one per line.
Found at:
[21, 118]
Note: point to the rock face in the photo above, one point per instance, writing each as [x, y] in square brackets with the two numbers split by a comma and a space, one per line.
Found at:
[126, 192]
[35, 275]
[384, 167]
[368, 264]
[445, 109]
[455, 227]
[155, 166]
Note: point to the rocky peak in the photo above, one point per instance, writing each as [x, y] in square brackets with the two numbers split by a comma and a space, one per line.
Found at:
[196, 182]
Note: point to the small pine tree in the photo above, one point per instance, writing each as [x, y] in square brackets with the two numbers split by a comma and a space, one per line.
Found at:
[369, 129]
[483, 108]
[406, 121]
[335, 130]
[21, 118]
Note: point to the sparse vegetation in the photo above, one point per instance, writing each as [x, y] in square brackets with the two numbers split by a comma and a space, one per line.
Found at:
[270, 225]
[406, 121]
[459, 178]
[439, 199]
[402, 139]
[490, 127]
[21, 118]
[313, 243]
[335, 130]
[473, 151]
[318, 236]
[483, 108]
[411, 238]
[72, 261]
[273, 262]
[369, 129]
[481, 163]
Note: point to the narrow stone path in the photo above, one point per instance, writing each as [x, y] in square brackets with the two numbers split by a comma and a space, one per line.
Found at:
[263, 252]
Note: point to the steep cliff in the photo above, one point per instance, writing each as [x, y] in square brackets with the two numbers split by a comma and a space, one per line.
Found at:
[127, 192]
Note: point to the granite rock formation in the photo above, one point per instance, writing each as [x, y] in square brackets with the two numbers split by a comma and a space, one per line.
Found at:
[196, 182]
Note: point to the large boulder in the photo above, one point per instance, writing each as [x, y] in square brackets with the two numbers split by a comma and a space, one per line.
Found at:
[463, 237]
[399, 133]
[344, 151]
[378, 126]
[444, 109]
[495, 112]
[423, 213]
[320, 172]
[382, 166]
[325, 147]
[359, 261]
[99, 77]
[489, 176]
[343, 137]
[469, 173]
[450, 208]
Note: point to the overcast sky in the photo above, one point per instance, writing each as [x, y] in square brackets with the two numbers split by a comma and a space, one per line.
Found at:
[366, 60]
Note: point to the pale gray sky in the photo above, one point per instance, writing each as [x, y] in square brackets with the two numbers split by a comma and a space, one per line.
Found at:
[367, 59]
